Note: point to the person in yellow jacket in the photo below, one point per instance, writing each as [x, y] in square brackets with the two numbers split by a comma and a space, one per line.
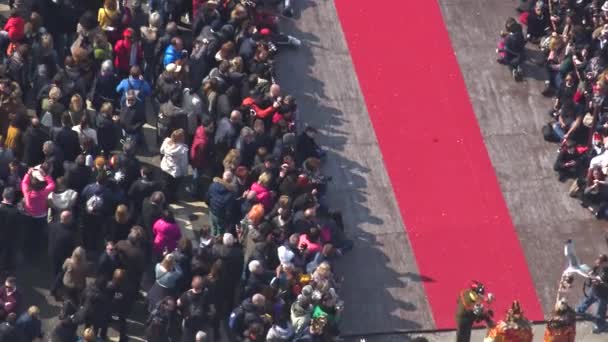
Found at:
[561, 327]
[514, 328]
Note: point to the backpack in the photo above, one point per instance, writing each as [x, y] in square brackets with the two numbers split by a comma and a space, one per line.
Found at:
[94, 204]
[237, 320]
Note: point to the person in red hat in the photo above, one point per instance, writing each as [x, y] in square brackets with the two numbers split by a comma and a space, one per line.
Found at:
[127, 52]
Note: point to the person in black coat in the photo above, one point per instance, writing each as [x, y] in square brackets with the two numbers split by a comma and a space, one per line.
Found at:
[109, 262]
[77, 174]
[143, 187]
[62, 240]
[107, 130]
[33, 139]
[152, 209]
[96, 308]
[104, 86]
[132, 254]
[65, 330]
[53, 156]
[306, 146]
[122, 295]
[67, 139]
[9, 219]
[133, 118]
[230, 274]
[9, 331]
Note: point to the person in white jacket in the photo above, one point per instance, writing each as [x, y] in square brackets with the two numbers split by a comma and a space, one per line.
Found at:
[174, 162]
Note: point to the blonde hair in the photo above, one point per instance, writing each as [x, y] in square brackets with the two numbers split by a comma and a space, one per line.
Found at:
[33, 310]
[55, 93]
[236, 64]
[79, 255]
[107, 108]
[121, 215]
[168, 261]
[264, 179]
[89, 335]
[232, 159]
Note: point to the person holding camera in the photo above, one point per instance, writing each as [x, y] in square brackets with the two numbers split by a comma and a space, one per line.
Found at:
[598, 294]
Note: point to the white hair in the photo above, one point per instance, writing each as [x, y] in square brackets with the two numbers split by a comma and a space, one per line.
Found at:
[155, 20]
[258, 299]
[254, 266]
[200, 336]
[228, 239]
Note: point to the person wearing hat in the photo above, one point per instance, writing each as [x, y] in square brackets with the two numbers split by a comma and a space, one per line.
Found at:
[471, 309]
[127, 52]
[167, 84]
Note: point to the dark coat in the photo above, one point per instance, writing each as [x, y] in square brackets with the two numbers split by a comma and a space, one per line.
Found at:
[222, 197]
[306, 147]
[77, 177]
[67, 140]
[139, 190]
[107, 133]
[134, 259]
[62, 241]
[33, 140]
[150, 212]
[107, 265]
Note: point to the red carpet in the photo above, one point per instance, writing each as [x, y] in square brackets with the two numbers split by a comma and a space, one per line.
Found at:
[449, 197]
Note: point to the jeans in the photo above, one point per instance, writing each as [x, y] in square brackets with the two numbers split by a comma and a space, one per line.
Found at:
[600, 313]
[218, 225]
[559, 131]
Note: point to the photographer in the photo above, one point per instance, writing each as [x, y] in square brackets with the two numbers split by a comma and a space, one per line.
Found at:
[598, 294]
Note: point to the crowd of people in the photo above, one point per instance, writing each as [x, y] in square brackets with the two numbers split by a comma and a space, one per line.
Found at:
[80, 83]
[573, 35]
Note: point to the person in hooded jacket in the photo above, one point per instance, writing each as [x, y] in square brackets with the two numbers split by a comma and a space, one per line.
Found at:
[124, 59]
[200, 156]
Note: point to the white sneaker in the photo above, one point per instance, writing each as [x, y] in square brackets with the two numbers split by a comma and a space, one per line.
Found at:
[294, 41]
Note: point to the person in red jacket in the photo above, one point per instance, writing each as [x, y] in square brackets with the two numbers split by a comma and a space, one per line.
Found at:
[127, 52]
[200, 157]
[13, 31]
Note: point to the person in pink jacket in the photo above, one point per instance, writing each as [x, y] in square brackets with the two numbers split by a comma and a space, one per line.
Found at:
[262, 194]
[36, 187]
[166, 234]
